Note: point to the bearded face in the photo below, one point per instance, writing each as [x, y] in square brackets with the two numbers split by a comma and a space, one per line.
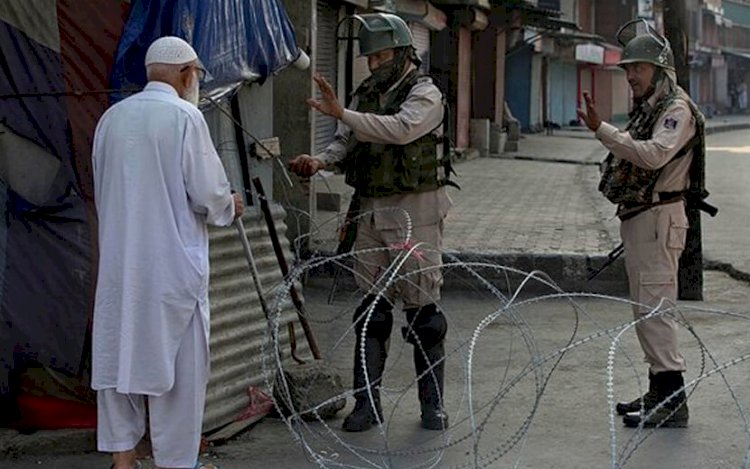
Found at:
[192, 93]
[386, 67]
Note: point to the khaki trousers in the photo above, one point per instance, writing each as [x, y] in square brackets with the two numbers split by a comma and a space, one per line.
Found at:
[654, 241]
[380, 251]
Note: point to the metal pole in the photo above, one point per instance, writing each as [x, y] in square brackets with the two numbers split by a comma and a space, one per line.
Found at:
[296, 298]
[259, 288]
[690, 276]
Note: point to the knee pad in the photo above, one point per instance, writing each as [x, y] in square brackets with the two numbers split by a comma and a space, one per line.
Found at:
[380, 320]
[426, 326]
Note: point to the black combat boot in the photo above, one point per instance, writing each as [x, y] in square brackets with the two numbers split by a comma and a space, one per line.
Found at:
[368, 412]
[673, 412]
[426, 331]
[431, 386]
[646, 402]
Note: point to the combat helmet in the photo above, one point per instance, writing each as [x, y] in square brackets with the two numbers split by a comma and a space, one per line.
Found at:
[649, 47]
[380, 31]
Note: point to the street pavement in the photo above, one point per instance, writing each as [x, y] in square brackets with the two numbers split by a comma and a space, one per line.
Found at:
[512, 404]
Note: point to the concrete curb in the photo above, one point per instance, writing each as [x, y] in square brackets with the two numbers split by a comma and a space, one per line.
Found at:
[728, 269]
[726, 127]
[508, 271]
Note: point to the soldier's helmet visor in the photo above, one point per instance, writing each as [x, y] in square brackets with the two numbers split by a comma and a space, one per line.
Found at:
[638, 27]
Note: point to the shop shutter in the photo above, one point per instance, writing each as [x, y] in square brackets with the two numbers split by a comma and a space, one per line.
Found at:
[422, 43]
[326, 63]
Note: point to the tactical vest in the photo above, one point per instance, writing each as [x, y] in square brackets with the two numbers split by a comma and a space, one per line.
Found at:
[380, 170]
[628, 185]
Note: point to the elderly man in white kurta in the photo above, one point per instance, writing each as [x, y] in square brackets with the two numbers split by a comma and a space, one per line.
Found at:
[158, 183]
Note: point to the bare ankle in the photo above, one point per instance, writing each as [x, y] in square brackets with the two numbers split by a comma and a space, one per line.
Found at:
[124, 460]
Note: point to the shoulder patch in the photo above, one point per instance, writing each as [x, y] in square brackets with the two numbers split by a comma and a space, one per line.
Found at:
[670, 123]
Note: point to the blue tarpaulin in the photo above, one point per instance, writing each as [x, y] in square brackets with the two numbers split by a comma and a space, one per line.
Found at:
[236, 40]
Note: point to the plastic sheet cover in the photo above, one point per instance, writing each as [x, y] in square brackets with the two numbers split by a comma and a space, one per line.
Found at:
[237, 40]
[56, 58]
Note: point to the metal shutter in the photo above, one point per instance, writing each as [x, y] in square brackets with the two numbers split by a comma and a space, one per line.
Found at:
[422, 43]
[326, 63]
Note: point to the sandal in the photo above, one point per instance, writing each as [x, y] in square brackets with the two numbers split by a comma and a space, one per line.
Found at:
[200, 465]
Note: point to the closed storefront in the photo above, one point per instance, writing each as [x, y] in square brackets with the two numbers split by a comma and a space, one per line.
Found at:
[563, 90]
[518, 84]
[326, 63]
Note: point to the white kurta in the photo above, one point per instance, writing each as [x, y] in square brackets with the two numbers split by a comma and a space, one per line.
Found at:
[158, 181]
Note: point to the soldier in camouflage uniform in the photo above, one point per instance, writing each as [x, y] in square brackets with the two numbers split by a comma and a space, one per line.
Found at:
[387, 142]
[647, 174]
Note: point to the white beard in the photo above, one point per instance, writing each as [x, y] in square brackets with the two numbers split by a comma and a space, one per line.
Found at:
[192, 94]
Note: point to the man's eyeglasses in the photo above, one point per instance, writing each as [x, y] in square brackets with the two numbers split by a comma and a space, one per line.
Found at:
[202, 73]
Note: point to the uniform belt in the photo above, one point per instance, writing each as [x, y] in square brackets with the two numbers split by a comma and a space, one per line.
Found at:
[663, 198]
[667, 197]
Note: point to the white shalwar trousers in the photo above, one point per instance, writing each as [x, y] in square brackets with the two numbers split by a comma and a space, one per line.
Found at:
[175, 417]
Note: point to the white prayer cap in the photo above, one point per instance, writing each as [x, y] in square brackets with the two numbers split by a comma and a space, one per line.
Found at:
[170, 50]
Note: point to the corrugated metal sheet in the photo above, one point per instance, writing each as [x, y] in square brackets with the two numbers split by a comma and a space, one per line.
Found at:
[238, 326]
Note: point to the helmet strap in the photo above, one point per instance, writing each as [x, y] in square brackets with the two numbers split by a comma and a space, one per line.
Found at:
[414, 56]
[658, 76]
